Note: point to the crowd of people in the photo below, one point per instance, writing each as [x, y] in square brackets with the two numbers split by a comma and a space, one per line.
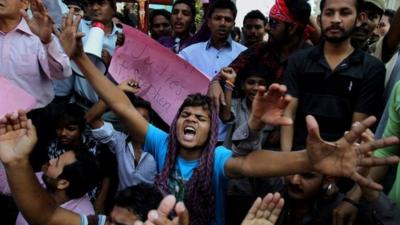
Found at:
[285, 135]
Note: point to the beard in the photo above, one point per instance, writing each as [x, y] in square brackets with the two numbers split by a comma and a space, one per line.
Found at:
[50, 183]
[346, 34]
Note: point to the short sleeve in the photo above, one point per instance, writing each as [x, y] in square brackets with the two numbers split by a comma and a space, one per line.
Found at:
[222, 155]
[156, 143]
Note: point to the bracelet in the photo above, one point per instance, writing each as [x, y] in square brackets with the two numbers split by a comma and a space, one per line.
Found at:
[230, 83]
[352, 202]
[228, 87]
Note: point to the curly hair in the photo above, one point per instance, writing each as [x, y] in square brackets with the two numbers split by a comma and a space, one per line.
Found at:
[199, 196]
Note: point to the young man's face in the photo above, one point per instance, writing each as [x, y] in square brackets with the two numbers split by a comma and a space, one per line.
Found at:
[181, 18]
[68, 134]
[122, 216]
[221, 24]
[278, 30]
[338, 20]
[369, 22]
[55, 167]
[383, 26]
[304, 186]
[160, 27]
[253, 31]
[193, 127]
[101, 11]
[10, 8]
[250, 86]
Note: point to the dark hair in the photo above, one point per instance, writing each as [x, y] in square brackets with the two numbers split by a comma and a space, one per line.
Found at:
[359, 5]
[199, 196]
[83, 174]
[189, 3]
[300, 9]
[81, 3]
[253, 69]
[235, 31]
[71, 113]
[223, 4]
[139, 199]
[159, 12]
[390, 14]
[112, 3]
[255, 14]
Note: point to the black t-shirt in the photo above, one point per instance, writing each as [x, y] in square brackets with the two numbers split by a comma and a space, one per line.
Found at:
[355, 85]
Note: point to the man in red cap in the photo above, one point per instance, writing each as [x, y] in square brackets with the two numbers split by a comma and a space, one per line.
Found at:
[286, 27]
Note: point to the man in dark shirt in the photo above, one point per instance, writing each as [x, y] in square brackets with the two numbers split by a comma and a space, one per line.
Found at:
[332, 81]
[254, 28]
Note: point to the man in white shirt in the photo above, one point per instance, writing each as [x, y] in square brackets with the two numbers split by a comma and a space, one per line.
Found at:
[220, 50]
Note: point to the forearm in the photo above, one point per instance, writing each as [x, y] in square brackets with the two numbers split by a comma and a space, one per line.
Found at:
[286, 138]
[93, 116]
[287, 132]
[270, 164]
[226, 114]
[99, 204]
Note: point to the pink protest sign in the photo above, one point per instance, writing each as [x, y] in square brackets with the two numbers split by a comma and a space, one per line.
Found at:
[13, 98]
[165, 78]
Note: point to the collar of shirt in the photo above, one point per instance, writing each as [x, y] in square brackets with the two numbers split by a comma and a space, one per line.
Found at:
[228, 43]
[23, 27]
[317, 54]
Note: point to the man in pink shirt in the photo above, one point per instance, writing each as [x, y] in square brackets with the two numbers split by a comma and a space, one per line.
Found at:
[30, 55]
[67, 179]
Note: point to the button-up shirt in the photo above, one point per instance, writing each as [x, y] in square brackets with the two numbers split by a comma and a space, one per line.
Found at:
[129, 174]
[30, 64]
[209, 60]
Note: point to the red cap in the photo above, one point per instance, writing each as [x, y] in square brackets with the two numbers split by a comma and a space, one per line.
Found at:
[98, 24]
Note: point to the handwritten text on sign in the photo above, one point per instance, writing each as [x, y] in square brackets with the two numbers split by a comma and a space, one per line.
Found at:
[165, 79]
[13, 98]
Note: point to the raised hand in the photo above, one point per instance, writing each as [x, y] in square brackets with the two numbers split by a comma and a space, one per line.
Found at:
[228, 74]
[342, 157]
[265, 211]
[130, 85]
[17, 137]
[268, 107]
[70, 38]
[41, 23]
[160, 216]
